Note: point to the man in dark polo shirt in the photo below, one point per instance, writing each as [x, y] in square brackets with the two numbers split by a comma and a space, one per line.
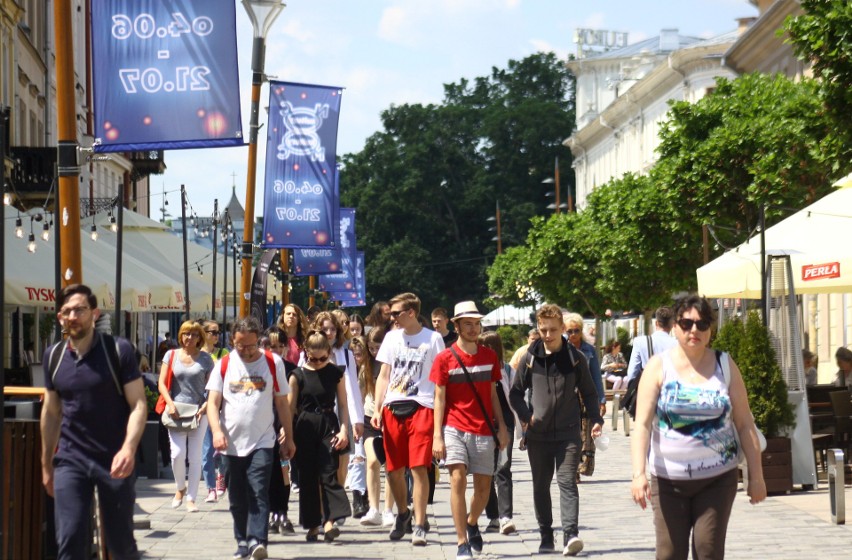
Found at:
[96, 414]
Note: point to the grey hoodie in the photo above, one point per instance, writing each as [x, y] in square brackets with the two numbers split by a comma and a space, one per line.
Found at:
[553, 379]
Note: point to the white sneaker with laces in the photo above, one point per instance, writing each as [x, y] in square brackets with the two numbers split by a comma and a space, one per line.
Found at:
[372, 518]
[507, 526]
[388, 518]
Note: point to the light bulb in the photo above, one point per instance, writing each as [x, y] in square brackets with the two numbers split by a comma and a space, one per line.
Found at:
[7, 198]
[113, 225]
[19, 228]
[45, 232]
[31, 246]
[94, 232]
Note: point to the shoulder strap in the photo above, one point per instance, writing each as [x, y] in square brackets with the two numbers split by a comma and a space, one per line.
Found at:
[109, 345]
[478, 398]
[650, 346]
[224, 365]
[55, 358]
[270, 361]
[725, 364]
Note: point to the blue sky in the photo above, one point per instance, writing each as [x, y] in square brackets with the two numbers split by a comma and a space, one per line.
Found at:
[387, 52]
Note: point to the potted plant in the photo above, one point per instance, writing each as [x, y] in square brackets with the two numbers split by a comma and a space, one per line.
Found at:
[750, 346]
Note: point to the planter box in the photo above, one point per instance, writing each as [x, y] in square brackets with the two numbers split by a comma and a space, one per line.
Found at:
[777, 463]
[147, 455]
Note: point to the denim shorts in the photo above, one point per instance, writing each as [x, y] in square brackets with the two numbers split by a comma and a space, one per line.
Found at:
[475, 451]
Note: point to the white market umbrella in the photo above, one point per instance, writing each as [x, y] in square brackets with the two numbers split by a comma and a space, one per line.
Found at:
[817, 239]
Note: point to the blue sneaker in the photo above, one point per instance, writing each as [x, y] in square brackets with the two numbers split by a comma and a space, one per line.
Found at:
[242, 552]
[464, 552]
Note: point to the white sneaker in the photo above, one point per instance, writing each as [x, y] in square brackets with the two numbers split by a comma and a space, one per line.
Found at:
[388, 518]
[573, 547]
[372, 518]
[507, 526]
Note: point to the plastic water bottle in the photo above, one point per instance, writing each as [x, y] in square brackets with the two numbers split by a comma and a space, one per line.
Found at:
[602, 442]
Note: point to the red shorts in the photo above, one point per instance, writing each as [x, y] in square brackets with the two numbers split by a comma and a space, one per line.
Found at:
[408, 442]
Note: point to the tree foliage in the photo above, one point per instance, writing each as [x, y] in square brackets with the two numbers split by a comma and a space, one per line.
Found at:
[823, 37]
[425, 186]
[750, 347]
[757, 140]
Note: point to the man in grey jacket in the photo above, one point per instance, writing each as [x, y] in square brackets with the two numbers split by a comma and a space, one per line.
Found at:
[552, 369]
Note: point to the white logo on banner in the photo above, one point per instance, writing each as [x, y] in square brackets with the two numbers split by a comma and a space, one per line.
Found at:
[302, 136]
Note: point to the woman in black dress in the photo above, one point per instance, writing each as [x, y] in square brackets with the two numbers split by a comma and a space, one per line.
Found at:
[319, 434]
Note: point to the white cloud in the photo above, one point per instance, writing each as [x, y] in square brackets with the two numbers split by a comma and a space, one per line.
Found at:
[395, 26]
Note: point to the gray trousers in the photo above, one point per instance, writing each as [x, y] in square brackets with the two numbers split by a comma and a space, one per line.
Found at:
[563, 457]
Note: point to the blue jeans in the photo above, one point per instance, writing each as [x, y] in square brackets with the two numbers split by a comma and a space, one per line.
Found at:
[248, 485]
[209, 460]
[73, 484]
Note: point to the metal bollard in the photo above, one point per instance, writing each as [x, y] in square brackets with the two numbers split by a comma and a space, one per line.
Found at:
[616, 405]
[837, 488]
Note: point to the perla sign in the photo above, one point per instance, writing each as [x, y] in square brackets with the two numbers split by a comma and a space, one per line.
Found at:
[593, 39]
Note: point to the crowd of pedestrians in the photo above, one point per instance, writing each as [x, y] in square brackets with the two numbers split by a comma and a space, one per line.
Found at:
[324, 402]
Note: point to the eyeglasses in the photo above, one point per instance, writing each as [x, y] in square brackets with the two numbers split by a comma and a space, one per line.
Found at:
[573, 331]
[190, 334]
[686, 324]
[395, 314]
[242, 347]
[79, 310]
[213, 332]
[315, 360]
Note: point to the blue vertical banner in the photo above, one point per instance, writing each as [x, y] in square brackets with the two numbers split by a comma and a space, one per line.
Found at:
[301, 205]
[344, 280]
[315, 261]
[165, 74]
[358, 296]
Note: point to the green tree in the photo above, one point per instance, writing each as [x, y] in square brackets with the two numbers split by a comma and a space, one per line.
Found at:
[435, 173]
[822, 36]
[757, 140]
[750, 347]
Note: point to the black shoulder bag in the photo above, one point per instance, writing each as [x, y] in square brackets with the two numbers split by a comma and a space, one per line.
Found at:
[628, 402]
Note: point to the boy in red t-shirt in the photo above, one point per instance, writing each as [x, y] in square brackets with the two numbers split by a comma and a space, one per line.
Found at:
[465, 400]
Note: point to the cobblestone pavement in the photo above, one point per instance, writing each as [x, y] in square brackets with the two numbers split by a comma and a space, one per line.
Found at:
[791, 527]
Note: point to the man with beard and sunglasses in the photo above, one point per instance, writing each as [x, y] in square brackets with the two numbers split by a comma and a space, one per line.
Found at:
[95, 410]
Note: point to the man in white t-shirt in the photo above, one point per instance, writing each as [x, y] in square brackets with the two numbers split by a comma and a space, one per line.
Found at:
[404, 402]
[243, 390]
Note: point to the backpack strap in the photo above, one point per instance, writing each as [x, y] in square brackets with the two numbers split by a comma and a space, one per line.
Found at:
[270, 361]
[224, 365]
[109, 346]
[57, 352]
[650, 342]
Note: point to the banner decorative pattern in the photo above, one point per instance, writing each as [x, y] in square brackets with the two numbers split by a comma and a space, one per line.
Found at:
[315, 261]
[301, 205]
[166, 74]
[358, 296]
[345, 279]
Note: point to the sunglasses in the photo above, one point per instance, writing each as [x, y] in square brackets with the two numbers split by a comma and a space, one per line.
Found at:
[395, 314]
[574, 331]
[686, 324]
[314, 360]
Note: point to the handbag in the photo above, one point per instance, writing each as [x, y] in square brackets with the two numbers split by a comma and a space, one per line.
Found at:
[722, 358]
[160, 407]
[187, 419]
[500, 456]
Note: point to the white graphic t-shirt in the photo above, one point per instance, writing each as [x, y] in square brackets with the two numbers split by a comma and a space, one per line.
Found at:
[247, 411]
[410, 359]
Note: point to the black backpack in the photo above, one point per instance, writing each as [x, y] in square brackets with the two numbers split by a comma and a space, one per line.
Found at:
[628, 401]
[109, 346]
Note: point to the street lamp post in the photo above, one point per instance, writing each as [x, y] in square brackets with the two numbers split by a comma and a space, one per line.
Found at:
[558, 205]
[262, 14]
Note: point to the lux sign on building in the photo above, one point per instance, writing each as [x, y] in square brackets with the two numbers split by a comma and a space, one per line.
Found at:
[821, 271]
[589, 40]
